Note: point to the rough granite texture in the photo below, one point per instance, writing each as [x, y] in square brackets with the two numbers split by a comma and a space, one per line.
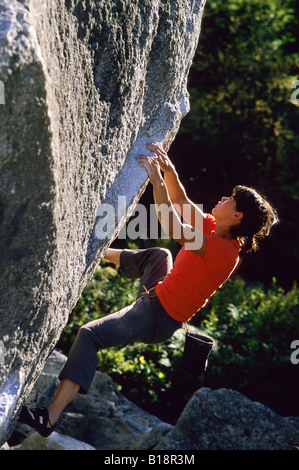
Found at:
[225, 419]
[87, 83]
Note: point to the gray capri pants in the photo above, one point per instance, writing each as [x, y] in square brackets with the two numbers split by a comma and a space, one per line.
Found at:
[144, 321]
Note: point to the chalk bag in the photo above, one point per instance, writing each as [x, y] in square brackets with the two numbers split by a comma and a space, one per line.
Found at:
[196, 352]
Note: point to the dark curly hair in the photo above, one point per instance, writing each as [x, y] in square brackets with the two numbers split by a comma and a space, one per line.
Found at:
[258, 218]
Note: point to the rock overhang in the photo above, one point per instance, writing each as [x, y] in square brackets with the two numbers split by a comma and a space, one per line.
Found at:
[87, 84]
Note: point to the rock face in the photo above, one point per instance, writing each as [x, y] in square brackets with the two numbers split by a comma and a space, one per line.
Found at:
[54, 442]
[87, 84]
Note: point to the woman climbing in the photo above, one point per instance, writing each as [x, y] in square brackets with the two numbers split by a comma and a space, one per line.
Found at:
[168, 295]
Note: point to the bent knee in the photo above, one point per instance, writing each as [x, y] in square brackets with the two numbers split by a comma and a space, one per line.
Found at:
[94, 332]
[85, 333]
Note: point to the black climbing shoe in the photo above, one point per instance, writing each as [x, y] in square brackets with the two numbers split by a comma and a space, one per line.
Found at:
[37, 418]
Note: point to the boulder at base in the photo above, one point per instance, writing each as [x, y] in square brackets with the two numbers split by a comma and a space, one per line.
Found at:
[227, 420]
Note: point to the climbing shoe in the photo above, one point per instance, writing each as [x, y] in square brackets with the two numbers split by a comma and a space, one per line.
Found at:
[37, 418]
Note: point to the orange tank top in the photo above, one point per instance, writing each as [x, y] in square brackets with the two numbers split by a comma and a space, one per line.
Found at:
[193, 278]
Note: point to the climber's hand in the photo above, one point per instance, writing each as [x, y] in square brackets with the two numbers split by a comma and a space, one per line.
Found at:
[164, 161]
[152, 167]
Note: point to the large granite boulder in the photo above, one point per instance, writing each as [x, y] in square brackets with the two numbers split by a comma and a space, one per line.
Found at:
[87, 84]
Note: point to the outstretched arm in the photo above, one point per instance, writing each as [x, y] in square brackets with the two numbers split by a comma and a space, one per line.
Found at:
[185, 234]
[190, 212]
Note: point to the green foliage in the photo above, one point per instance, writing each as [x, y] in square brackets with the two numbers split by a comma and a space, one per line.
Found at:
[253, 323]
[143, 372]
